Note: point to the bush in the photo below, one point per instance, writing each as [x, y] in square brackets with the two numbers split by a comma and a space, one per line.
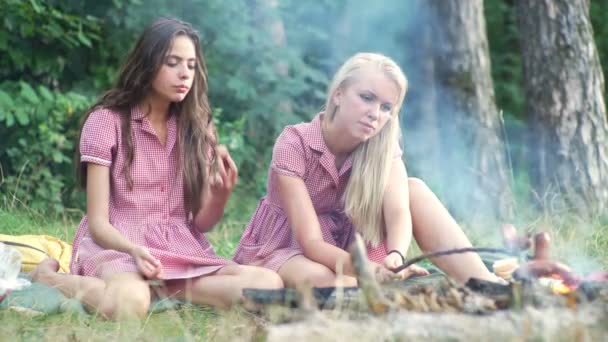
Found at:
[39, 128]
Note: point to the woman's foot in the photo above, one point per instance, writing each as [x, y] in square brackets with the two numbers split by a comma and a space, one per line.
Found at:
[45, 270]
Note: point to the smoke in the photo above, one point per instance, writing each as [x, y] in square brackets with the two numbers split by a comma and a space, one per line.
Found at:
[323, 34]
[435, 141]
[435, 133]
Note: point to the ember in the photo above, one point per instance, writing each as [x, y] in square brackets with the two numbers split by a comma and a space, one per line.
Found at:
[556, 284]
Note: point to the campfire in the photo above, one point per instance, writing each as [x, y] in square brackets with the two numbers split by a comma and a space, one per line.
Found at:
[532, 277]
[542, 299]
[540, 266]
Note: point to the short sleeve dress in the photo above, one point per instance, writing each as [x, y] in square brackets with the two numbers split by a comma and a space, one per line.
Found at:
[300, 151]
[152, 214]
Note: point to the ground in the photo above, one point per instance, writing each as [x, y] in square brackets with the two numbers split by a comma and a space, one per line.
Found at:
[581, 243]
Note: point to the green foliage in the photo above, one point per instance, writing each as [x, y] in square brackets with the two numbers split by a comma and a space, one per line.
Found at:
[38, 128]
[598, 11]
[59, 55]
[53, 45]
[38, 39]
[503, 37]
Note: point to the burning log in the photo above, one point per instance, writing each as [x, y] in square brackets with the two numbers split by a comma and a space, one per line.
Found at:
[547, 268]
[541, 265]
[556, 276]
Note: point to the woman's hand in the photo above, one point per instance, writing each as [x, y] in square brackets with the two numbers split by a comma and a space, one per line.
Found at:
[225, 177]
[394, 260]
[383, 274]
[148, 265]
[413, 270]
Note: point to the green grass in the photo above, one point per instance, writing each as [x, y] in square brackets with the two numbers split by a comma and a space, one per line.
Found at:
[186, 323]
[189, 322]
[578, 242]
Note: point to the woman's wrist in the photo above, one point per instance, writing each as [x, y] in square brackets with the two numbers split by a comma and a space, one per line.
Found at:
[398, 253]
[131, 249]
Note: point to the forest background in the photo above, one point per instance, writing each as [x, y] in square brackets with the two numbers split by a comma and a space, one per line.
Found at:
[504, 119]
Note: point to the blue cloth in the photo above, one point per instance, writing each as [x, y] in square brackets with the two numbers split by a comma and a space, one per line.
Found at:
[43, 298]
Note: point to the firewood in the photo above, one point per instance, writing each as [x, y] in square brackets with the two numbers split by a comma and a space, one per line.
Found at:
[366, 278]
[306, 299]
[432, 301]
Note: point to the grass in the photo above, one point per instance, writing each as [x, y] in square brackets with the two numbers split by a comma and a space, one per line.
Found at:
[578, 242]
[188, 322]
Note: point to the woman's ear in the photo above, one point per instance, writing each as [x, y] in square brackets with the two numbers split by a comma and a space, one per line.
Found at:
[337, 96]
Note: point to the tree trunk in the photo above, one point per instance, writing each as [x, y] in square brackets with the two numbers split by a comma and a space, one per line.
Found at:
[471, 127]
[564, 88]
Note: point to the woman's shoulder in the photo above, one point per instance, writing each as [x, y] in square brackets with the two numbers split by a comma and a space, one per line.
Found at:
[103, 115]
[300, 132]
[293, 136]
[102, 124]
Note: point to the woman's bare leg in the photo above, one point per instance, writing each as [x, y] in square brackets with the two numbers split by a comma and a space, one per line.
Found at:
[299, 271]
[435, 230]
[88, 290]
[120, 296]
[127, 295]
[225, 287]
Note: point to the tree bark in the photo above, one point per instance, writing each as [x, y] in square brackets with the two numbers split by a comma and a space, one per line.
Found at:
[471, 125]
[564, 87]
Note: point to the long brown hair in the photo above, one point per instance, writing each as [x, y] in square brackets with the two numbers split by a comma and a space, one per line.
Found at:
[195, 135]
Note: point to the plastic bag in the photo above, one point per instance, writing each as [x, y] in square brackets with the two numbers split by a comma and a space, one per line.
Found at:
[10, 265]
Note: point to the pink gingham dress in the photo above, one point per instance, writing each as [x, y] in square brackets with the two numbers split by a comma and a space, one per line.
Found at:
[300, 151]
[152, 214]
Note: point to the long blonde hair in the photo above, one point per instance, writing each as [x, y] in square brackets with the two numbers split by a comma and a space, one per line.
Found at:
[373, 158]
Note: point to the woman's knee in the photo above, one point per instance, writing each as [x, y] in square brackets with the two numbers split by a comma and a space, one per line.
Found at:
[416, 184]
[126, 299]
[301, 271]
[262, 278]
[314, 276]
[320, 278]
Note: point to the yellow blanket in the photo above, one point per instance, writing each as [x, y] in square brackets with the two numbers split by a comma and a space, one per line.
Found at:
[35, 248]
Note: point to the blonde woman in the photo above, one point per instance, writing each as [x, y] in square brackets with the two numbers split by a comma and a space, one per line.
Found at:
[342, 173]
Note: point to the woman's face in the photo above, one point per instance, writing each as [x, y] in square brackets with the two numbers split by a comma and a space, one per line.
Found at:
[174, 78]
[366, 105]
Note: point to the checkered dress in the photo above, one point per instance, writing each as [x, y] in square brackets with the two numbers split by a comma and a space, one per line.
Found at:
[153, 213]
[300, 151]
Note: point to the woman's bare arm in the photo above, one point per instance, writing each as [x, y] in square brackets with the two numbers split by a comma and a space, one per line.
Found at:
[396, 210]
[103, 233]
[304, 223]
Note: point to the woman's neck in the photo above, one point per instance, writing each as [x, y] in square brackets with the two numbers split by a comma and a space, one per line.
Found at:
[156, 110]
[335, 140]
